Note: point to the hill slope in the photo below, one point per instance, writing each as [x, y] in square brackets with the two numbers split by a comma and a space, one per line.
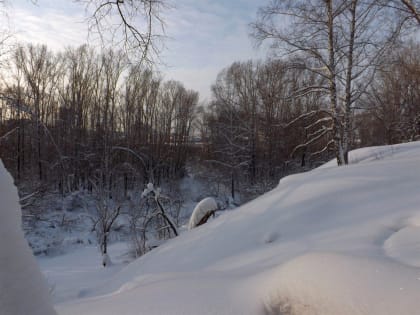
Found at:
[331, 241]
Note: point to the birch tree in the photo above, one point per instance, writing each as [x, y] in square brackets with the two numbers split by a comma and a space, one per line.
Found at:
[341, 42]
[362, 49]
[309, 36]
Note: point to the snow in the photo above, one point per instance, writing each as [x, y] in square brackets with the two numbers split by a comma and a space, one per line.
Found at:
[201, 209]
[404, 245]
[23, 290]
[72, 275]
[336, 240]
[319, 283]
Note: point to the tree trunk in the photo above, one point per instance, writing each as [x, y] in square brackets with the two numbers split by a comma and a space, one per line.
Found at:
[348, 96]
[333, 86]
[232, 187]
[167, 219]
[105, 243]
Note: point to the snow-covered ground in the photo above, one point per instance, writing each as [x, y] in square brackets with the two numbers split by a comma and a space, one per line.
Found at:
[331, 241]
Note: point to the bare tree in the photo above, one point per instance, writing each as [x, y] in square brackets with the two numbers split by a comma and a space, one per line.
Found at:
[310, 36]
[339, 42]
[393, 99]
[107, 210]
[151, 221]
[231, 131]
[133, 25]
[136, 25]
[40, 71]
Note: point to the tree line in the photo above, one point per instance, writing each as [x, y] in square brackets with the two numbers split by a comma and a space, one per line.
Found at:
[269, 119]
[79, 116]
[71, 120]
[341, 74]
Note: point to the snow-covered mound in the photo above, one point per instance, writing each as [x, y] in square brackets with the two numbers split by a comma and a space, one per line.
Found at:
[333, 241]
[23, 289]
[203, 208]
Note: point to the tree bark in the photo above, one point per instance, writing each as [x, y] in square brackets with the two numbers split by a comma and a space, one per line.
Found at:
[333, 85]
[348, 91]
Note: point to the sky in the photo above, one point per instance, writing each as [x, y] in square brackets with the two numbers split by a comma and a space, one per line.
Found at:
[202, 36]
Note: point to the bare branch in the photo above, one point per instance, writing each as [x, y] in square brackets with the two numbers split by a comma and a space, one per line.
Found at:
[136, 25]
[412, 8]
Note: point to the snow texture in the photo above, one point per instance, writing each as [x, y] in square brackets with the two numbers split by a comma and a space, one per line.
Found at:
[23, 289]
[333, 241]
[201, 209]
[106, 260]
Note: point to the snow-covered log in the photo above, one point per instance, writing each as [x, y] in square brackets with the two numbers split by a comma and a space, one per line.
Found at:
[23, 289]
[202, 211]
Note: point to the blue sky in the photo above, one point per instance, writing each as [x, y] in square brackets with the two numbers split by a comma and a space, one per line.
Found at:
[203, 36]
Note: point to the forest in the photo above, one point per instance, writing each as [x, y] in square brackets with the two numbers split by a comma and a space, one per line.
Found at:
[90, 121]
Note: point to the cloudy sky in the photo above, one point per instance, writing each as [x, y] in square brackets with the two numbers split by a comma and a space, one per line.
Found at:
[203, 36]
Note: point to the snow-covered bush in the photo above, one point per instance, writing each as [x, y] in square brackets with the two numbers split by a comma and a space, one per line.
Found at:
[202, 211]
[151, 219]
[23, 289]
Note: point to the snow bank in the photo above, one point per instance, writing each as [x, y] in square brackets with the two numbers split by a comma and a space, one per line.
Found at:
[23, 289]
[336, 240]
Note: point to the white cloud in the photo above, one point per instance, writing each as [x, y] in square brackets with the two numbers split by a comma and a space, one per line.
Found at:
[203, 36]
[206, 36]
[52, 27]
[197, 79]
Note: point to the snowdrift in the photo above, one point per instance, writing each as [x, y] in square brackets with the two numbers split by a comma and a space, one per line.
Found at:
[331, 241]
[23, 289]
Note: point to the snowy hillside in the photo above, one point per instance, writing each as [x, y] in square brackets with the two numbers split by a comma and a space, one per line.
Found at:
[331, 241]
